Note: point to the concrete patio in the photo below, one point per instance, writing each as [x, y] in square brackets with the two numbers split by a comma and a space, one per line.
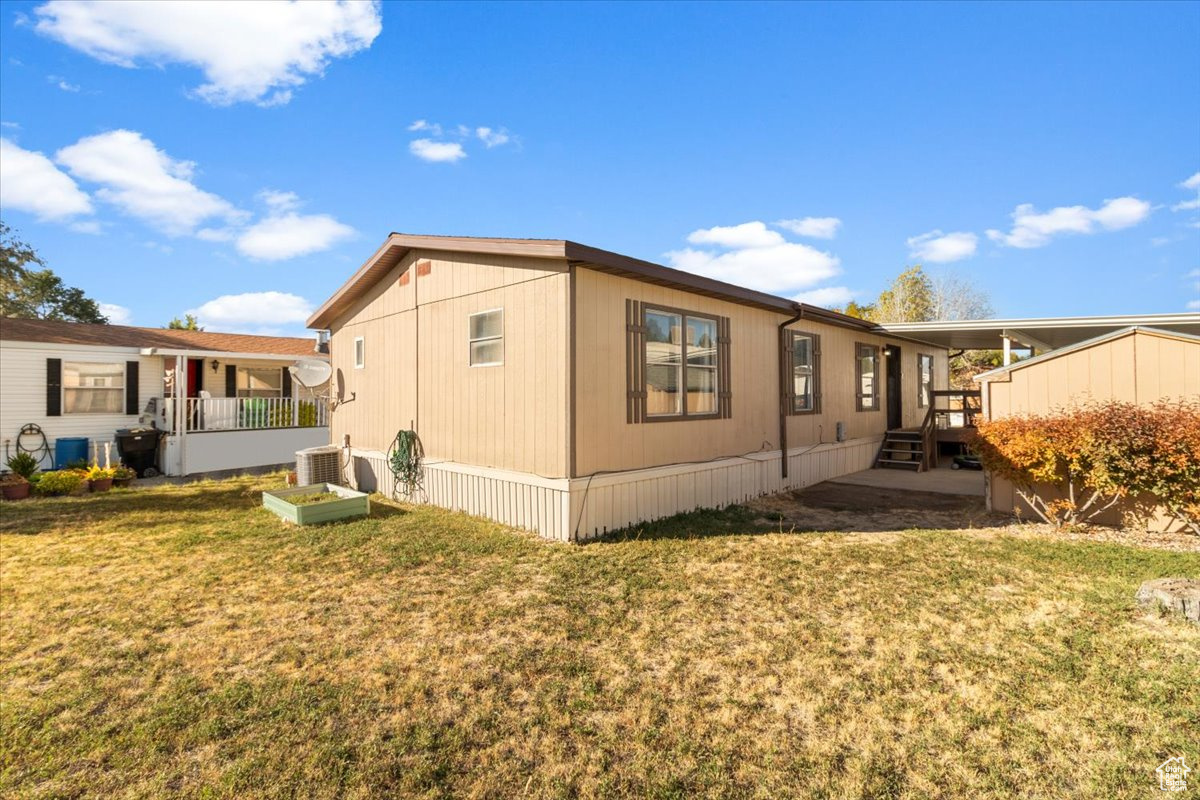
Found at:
[941, 480]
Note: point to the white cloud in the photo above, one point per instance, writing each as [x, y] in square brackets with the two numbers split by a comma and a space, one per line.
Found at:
[30, 182]
[257, 52]
[62, 83]
[748, 234]
[279, 202]
[90, 226]
[117, 315]
[253, 312]
[812, 227]
[422, 125]
[289, 235]
[1193, 305]
[941, 248]
[12, 126]
[1031, 229]
[1192, 183]
[429, 150]
[144, 181]
[756, 257]
[492, 138]
[826, 297]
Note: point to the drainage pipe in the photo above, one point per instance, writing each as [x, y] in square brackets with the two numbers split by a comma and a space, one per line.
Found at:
[784, 376]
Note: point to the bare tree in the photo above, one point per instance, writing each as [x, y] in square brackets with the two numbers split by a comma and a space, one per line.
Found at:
[956, 297]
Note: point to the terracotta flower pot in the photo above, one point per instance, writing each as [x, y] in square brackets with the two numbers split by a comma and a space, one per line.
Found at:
[15, 491]
[101, 485]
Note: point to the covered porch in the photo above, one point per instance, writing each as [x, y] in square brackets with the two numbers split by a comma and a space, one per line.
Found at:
[226, 411]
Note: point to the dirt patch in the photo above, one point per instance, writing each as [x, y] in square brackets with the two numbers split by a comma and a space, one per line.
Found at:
[834, 506]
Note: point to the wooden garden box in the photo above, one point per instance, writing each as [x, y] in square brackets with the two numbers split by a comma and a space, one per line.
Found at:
[352, 504]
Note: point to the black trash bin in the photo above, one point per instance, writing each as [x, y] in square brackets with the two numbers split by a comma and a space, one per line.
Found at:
[138, 448]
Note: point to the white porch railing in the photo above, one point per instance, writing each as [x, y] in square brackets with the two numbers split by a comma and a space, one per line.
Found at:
[250, 413]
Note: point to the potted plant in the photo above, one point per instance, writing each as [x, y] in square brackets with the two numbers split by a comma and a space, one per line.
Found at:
[14, 486]
[123, 475]
[23, 464]
[99, 478]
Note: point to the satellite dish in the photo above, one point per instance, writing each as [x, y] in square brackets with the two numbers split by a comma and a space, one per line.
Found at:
[311, 372]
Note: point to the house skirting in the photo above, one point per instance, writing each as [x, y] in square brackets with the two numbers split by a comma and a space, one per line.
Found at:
[579, 509]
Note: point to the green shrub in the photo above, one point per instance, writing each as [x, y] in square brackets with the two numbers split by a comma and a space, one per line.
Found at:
[23, 464]
[58, 483]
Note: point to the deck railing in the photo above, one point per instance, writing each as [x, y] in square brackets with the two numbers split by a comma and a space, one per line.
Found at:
[251, 413]
[960, 409]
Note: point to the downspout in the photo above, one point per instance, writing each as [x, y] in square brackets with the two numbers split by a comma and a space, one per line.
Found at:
[783, 378]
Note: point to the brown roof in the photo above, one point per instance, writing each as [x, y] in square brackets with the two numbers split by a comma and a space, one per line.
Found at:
[398, 244]
[55, 332]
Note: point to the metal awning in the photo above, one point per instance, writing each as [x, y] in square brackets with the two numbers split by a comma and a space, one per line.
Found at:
[1049, 333]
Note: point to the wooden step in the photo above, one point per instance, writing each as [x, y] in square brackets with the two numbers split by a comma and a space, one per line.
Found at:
[890, 462]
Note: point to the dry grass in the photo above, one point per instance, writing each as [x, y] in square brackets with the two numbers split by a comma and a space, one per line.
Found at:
[182, 641]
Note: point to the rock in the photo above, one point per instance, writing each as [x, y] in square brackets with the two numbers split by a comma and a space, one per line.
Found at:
[1180, 595]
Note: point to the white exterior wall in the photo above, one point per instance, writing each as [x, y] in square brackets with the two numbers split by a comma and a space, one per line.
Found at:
[584, 508]
[213, 451]
[23, 392]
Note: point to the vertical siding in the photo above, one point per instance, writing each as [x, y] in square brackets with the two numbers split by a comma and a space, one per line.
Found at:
[1140, 367]
[23, 391]
[606, 441]
[418, 368]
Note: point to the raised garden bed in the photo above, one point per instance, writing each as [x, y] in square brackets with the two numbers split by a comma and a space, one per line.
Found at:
[320, 502]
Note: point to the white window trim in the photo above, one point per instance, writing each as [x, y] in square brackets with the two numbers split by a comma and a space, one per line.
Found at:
[240, 368]
[499, 338]
[357, 341]
[62, 391]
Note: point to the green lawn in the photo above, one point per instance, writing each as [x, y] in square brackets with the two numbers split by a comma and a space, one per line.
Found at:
[183, 641]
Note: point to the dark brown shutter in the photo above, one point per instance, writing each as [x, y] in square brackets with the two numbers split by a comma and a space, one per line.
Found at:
[787, 372]
[287, 383]
[230, 380]
[635, 363]
[816, 368]
[132, 402]
[724, 379]
[53, 387]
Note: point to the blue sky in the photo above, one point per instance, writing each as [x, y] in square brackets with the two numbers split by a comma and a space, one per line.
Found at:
[242, 161]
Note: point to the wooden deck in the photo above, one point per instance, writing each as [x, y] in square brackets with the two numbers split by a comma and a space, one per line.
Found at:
[951, 418]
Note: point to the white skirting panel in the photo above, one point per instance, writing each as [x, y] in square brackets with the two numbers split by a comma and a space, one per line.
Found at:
[583, 508]
[513, 498]
[611, 502]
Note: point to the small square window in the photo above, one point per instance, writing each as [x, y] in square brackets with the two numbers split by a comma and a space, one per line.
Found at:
[360, 353]
[485, 334]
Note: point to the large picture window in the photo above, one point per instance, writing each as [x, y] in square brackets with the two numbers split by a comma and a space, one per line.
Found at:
[259, 382]
[93, 388]
[805, 350]
[678, 364]
[866, 360]
[924, 379]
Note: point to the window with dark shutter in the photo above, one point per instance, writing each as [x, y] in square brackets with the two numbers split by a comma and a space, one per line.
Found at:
[677, 364]
[803, 354]
[866, 369]
[53, 387]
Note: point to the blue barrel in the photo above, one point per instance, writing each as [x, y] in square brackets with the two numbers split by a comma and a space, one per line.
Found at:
[68, 449]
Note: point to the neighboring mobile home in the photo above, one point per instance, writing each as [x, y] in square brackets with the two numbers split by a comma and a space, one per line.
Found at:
[1135, 364]
[571, 390]
[225, 401]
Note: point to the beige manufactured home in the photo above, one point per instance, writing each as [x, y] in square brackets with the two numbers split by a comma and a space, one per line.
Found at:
[1135, 364]
[572, 391]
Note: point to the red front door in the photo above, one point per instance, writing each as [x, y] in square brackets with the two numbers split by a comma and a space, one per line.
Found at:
[195, 376]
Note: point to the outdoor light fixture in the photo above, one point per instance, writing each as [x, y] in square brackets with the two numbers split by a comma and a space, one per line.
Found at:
[216, 365]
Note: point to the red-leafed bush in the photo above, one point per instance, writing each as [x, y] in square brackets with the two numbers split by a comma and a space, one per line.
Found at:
[1099, 455]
